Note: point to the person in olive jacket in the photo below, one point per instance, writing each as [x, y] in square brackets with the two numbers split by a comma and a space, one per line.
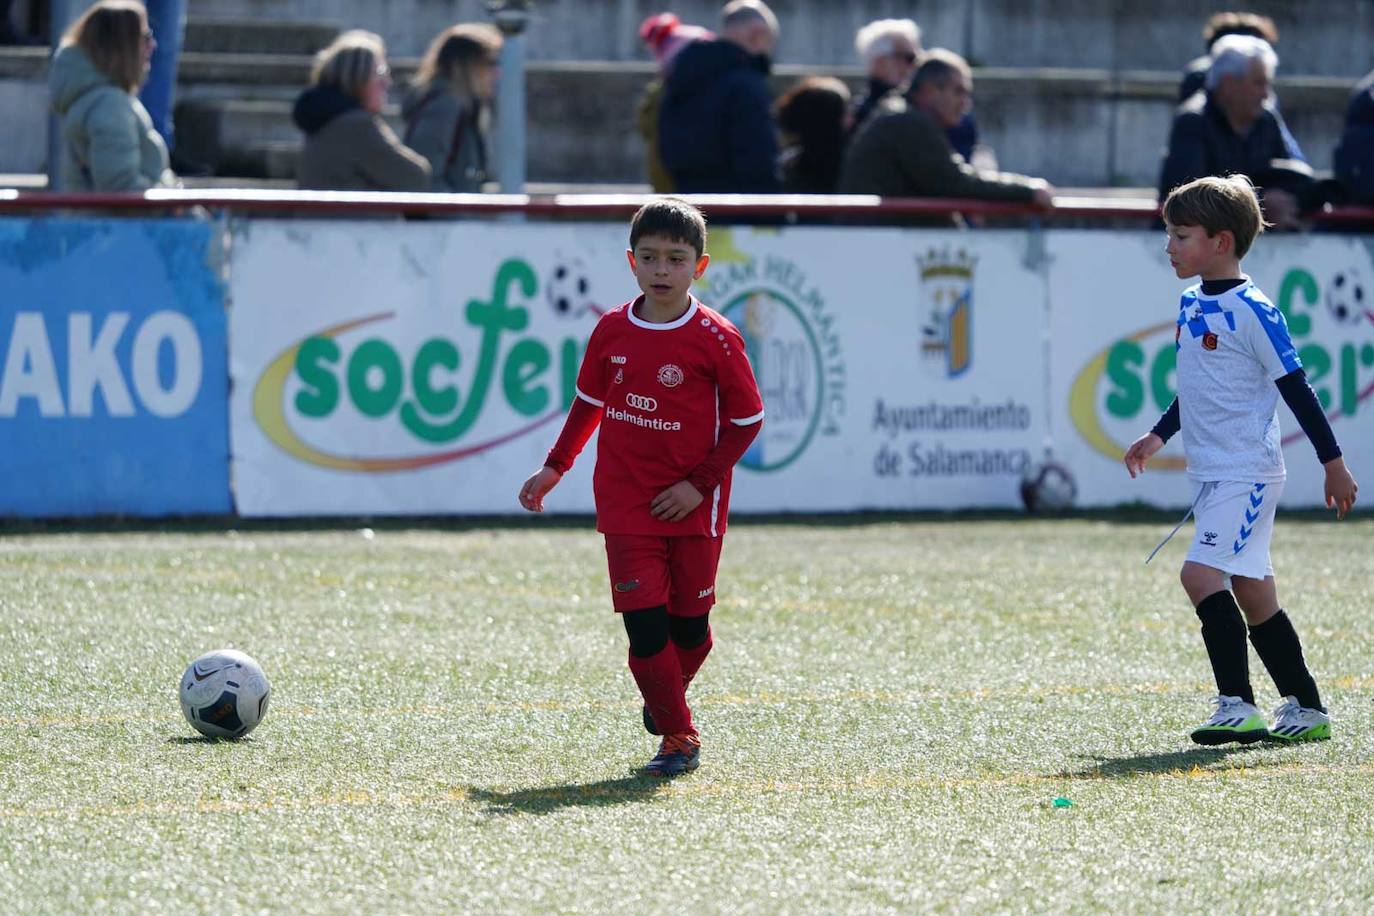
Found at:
[903, 150]
[348, 147]
[108, 140]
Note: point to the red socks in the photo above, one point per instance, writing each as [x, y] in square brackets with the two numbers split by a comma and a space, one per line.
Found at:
[661, 682]
[690, 659]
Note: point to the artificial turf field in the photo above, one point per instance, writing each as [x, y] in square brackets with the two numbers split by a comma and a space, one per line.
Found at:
[890, 713]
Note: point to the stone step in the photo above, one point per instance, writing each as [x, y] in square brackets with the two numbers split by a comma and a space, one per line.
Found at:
[257, 36]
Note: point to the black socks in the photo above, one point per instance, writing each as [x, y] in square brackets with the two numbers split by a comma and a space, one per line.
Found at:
[1223, 631]
[1276, 643]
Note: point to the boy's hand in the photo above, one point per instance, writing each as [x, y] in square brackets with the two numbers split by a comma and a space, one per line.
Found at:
[675, 503]
[540, 483]
[1340, 487]
[1141, 451]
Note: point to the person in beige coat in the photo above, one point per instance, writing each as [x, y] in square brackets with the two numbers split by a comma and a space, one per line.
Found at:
[348, 147]
[108, 140]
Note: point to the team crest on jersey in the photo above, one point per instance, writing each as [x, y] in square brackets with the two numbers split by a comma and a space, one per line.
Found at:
[669, 375]
[619, 376]
[1209, 341]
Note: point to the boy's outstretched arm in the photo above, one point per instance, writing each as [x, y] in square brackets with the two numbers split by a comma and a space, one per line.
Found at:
[1144, 448]
[1302, 400]
[582, 420]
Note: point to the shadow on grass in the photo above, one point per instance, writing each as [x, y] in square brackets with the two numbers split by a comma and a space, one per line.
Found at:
[1152, 764]
[207, 739]
[554, 798]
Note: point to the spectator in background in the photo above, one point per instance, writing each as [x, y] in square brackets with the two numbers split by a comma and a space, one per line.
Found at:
[813, 118]
[348, 147]
[1227, 129]
[904, 151]
[665, 36]
[715, 129]
[890, 50]
[1354, 157]
[9, 33]
[1217, 28]
[448, 110]
[108, 140]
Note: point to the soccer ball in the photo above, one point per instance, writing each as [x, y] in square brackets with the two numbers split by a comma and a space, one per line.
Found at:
[568, 290]
[1345, 297]
[1048, 487]
[224, 694]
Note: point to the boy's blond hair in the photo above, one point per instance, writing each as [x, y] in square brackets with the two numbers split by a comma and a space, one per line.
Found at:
[1215, 204]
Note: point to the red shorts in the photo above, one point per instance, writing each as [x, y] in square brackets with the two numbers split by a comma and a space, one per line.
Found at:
[649, 570]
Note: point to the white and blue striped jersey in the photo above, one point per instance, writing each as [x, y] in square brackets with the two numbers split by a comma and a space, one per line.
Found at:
[1231, 349]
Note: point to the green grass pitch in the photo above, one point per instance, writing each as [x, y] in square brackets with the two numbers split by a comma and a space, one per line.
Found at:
[892, 709]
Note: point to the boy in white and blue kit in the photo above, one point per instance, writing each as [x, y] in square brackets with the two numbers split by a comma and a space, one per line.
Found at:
[1235, 358]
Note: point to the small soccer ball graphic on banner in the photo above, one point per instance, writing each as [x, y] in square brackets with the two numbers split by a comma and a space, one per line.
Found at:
[569, 289]
[1345, 298]
[1048, 487]
[224, 694]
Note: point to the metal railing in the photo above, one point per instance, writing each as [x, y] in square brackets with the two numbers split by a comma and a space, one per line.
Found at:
[718, 206]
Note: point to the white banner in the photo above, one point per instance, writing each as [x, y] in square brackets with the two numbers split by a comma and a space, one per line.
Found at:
[1114, 303]
[400, 368]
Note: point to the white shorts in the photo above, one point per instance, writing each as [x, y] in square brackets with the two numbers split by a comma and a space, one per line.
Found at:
[1235, 522]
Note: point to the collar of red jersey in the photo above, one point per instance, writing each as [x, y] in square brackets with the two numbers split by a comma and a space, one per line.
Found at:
[653, 326]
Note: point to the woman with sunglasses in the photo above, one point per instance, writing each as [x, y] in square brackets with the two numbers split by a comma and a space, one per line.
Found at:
[348, 147]
[108, 140]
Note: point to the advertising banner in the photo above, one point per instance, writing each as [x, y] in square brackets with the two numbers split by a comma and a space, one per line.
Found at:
[113, 386]
[426, 368]
[1114, 304]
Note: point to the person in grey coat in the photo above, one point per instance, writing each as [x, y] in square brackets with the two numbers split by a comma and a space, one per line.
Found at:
[108, 140]
[348, 147]
[448, 109]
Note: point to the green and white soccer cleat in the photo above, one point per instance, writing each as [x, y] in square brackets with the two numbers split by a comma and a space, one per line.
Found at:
[1233, 721]
[1294, 723]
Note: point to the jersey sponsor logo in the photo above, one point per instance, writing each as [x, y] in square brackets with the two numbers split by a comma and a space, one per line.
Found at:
[625, 416]
[1209, 538]
[627, 586]
[618, 360]
[641, 402]
[706, 592]
[669, 375]
[1209, 341]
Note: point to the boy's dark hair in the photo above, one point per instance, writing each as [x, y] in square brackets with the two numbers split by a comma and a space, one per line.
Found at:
[671, 218]
[1236, 23]
[1215, 204]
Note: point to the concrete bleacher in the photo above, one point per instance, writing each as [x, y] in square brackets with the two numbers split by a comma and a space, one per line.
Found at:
[1100, 123]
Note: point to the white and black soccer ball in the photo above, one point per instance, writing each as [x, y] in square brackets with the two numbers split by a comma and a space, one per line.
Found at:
[224, 694]
[1345, 297]
[1048, 487]
[569, 289]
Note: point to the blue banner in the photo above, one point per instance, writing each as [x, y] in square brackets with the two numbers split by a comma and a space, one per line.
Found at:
[113, 368]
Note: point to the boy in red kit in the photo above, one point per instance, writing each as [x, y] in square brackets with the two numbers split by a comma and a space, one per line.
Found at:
[669, 382]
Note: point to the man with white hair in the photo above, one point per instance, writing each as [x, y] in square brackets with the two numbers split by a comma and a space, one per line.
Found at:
[1228, 129]
[715, 129]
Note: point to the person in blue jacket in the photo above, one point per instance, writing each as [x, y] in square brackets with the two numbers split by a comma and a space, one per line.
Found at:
[715, 128]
